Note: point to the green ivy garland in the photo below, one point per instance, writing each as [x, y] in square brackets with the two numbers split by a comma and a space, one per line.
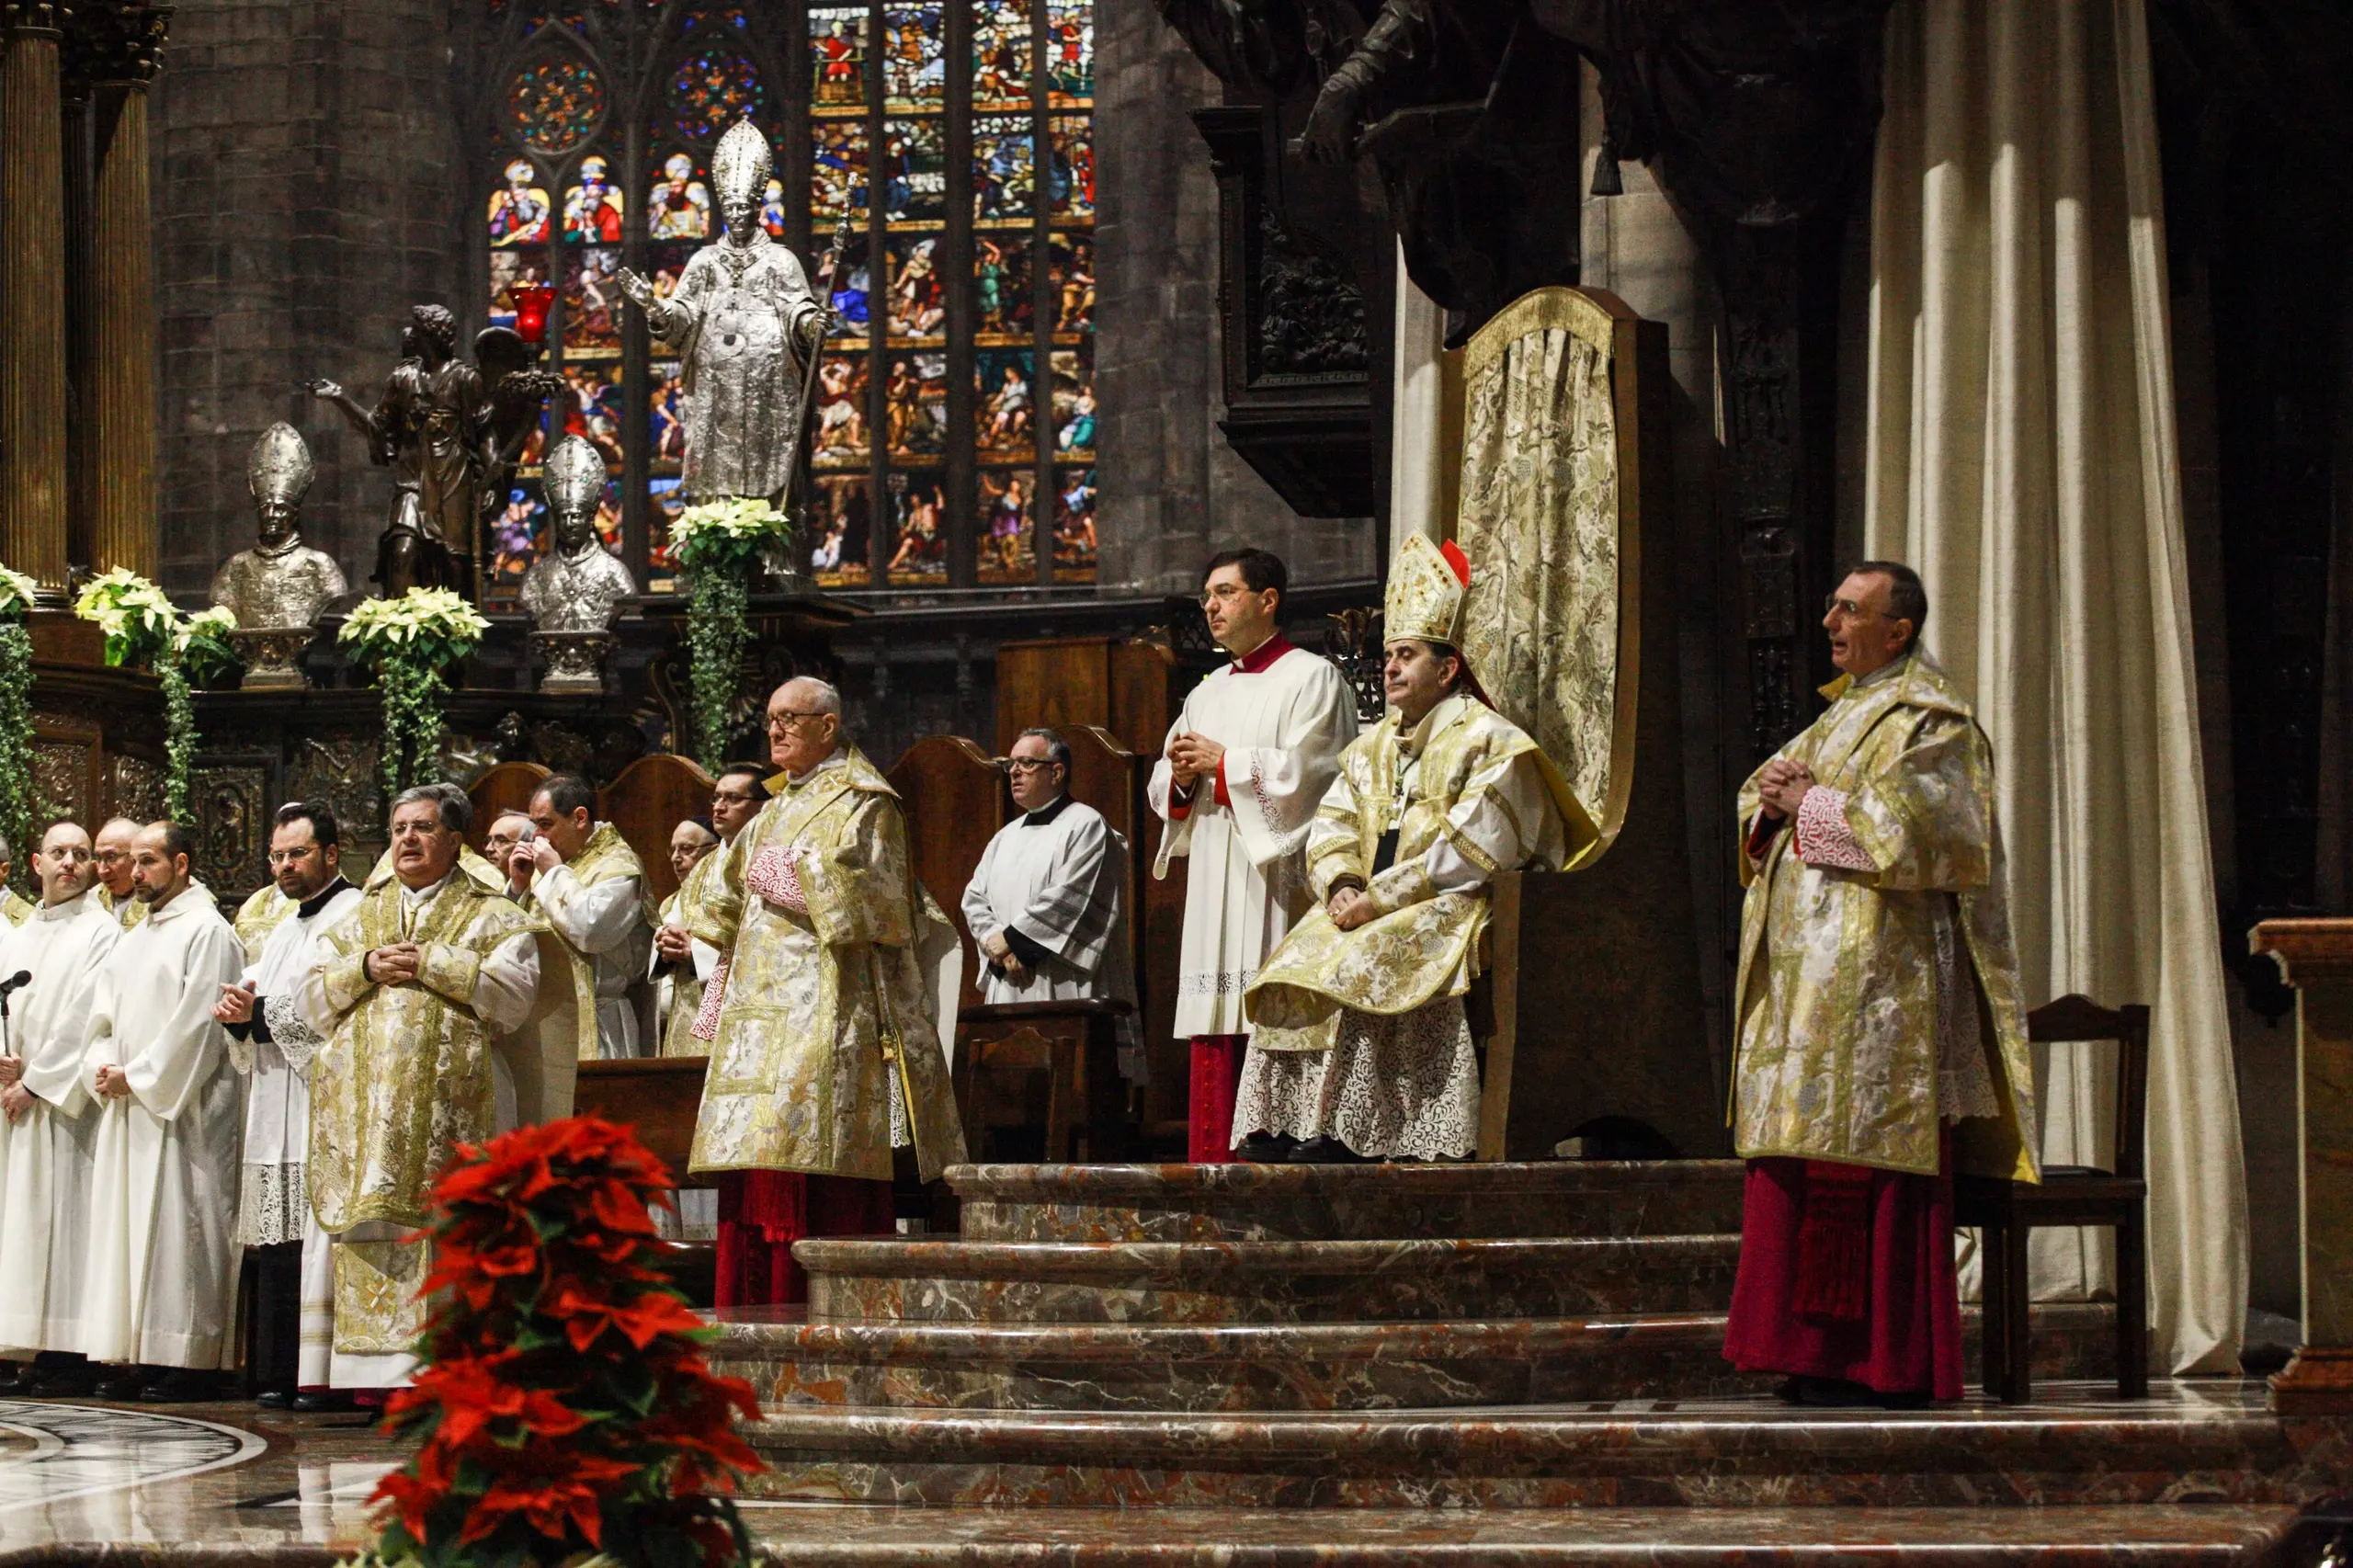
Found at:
[718, 627]
[143, 626]
[19, 794]
[407, 642]
[717, 541]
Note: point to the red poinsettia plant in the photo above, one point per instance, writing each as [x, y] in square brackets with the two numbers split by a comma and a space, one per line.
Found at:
[563, 1405]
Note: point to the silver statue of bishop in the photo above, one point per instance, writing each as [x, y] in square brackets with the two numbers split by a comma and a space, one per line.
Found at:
[745, 322]
[278, 588]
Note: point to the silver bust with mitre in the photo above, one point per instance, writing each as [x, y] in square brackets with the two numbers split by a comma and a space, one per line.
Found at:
[276, 589]
[572, 591]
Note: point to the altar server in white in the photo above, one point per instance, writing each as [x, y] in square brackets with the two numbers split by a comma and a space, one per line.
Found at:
[1244, 767]
[271, 1039]
[50, 1128]
[1046, 903]
[159, 1291]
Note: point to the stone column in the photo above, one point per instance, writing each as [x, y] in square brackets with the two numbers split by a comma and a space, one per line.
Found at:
[2316, 958]
[122, 331]
[32, 296]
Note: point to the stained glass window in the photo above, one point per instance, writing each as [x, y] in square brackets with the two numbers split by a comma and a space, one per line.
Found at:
[952, 429]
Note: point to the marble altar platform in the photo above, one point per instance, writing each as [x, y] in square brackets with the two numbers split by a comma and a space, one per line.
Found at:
[1270, 1366]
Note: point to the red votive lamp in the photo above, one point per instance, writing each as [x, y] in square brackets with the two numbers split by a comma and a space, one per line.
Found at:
[531, 301]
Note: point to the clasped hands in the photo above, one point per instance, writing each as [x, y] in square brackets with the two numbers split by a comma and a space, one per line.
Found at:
[1348, 907]
[394, 965]
[675, 944]
[15, 1099]
[1192, 757]
[1783, 784]
[236, 1003]
[1001, 954]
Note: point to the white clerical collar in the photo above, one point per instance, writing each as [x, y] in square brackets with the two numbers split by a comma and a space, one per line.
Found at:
[413, 896]
[67, 910]
[833, 760]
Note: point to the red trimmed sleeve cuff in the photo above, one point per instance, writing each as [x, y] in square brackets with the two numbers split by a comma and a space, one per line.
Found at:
[1223, 798]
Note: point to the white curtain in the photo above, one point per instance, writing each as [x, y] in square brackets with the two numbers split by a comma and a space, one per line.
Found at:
[2021, 453]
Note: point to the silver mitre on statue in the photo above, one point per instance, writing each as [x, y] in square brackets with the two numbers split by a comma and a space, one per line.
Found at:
[278, 588]
[574, 589]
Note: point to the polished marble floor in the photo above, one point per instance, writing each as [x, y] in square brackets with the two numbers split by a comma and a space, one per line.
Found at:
[208, 1486]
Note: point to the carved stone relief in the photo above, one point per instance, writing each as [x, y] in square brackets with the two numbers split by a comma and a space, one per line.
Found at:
[231, 804]
[134, 789]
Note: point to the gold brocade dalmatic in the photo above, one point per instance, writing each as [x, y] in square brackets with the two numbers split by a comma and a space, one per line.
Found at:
[606, 854]
[405, 1076]
[678, 1036]
[1421, 946]
[824, 1010]
[258, 916]
[1836, 1000]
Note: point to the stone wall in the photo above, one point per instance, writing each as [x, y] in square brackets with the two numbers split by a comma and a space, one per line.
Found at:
[307, 186]
[1172, 491]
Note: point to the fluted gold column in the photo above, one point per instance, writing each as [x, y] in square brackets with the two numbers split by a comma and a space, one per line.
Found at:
[123, 337]
[32, 295]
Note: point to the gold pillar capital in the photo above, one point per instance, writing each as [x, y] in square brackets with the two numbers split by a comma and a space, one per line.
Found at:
[37, 17]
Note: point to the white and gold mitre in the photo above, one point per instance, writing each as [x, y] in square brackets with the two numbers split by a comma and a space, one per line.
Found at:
[1428, 587]
[741, 165]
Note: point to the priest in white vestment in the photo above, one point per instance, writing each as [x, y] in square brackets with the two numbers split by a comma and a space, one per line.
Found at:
[160, 1282]
[111, 851]
[691, 842]
[1244, 767]
[1361, 1048]
[581, 878]
[270, 1035]
[50, 1132]
[1046, 903]
[422, 994]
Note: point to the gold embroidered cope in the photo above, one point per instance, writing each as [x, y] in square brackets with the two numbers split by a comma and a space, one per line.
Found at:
[1837, 997]
[824, 1010]
[1422, 945]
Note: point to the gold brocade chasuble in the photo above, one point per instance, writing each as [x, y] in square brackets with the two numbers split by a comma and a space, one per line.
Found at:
[405, 1077]
[14, 907]
[824, 1010]
[1423, 945]
[1836, 999]
[606, 854]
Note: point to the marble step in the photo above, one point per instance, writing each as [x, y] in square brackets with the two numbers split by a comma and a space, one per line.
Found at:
[1328, 1366]
[2077, 1444]
[1247, 1203]
[2086, 1536]
[961, 1281]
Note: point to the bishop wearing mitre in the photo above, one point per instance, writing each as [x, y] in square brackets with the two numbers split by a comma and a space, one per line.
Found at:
[1238, 781]
[159, 1287]
[438, 1032]
[51, 1132]
[826, 1028]
[1360, 1048]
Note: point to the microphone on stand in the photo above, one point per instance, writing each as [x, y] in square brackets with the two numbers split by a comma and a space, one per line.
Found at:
[15, 982]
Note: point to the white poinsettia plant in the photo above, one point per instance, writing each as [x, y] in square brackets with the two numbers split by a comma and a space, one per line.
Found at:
[138, 617]
[713, 533]
[426, 628]
[16, 592]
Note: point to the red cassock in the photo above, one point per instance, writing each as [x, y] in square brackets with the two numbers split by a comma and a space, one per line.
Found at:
[1847, 1272]
[762, 1213]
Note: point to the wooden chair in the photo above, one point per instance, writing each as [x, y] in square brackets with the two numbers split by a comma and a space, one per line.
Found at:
[2006, 1211]
[1002, 1052]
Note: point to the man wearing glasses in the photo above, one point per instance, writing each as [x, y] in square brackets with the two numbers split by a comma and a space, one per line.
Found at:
[273, 1044]
[1244, 767]
[824, 1024]
[1882, 1034]
[1044, 904]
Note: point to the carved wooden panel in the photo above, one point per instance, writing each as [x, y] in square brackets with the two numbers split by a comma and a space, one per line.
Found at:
[650, 798]
[340, 767]
[229, 802]
[134, 789]
[956, 801]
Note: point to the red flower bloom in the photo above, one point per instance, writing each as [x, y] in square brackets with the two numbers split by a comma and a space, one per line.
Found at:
[656, 1312]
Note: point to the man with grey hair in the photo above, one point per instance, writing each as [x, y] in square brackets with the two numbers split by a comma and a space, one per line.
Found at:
[417, 993]
[1046, 903]
[825, 1023]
